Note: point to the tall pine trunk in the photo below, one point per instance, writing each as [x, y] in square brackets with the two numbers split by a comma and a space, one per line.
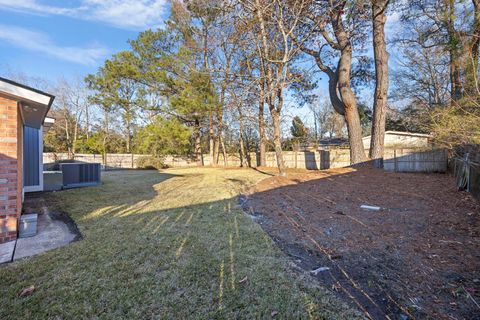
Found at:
[381, 85]
[471, 72]
[211, 144]
[277, 140]
[456, 86]
[219, 114]
[262, 147]
[198, 143]
[352, 118]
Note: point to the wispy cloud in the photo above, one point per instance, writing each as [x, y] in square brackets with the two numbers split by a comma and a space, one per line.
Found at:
[129, 14]
[40, 42]
[32, 6]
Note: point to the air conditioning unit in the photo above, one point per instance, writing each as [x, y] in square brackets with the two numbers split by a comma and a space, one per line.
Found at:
[76, 175]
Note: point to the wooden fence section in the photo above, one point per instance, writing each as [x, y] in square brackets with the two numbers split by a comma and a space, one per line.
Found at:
[116, 160]
[467, 175]
[415, 160]
[402, 160]
[311, 160]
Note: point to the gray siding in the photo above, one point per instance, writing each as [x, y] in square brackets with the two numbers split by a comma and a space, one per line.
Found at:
[31, 156]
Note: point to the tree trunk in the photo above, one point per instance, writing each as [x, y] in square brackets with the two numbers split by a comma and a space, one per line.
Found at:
[87, 122]
[216, 152]
[67, 135]
[339, 82]
[242, 146]
[454, 52]
[381, 84]
[198, 143]
[211, 145]
[224, 150]
[352, 118]
[74, 140]
[277, 140]
[105, 138]
[455, 76]
[357, 151]
[471, 72]
[129, 136]
[242, 150]
[262, 161]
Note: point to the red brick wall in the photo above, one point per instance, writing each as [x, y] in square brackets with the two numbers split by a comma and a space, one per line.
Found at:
[11, 168]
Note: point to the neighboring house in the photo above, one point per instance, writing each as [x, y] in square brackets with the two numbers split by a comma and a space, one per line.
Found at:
[332, 143]
[397, 139]
[23, 113]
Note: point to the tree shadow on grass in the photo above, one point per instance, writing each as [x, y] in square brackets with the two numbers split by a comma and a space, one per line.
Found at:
[150, 252]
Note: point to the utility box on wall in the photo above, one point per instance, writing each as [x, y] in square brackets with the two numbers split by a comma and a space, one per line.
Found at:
[27, 225]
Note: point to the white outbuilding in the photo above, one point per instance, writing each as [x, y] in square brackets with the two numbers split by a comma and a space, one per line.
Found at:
[398, 139]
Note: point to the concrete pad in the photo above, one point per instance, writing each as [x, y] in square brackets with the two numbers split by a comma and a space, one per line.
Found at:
[6, 251]
[53, 232]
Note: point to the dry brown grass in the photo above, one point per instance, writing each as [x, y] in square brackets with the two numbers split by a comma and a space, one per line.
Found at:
[171, 244]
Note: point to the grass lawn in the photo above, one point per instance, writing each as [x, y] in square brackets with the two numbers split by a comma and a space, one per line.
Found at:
[169, 244]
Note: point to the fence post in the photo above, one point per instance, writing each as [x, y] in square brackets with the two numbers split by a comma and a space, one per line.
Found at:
[469, 177]
[395, 169]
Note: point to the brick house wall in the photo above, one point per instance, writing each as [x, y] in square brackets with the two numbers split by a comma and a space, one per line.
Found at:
[11, 168]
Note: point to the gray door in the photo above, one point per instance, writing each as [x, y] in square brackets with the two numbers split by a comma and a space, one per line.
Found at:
[32, 159]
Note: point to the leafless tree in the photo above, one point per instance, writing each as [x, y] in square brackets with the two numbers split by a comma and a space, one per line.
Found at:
[70, 109]
[274, 23]
[453, 26]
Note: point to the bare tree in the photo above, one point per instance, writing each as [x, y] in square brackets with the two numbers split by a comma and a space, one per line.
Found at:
[454, 26]
[274, 24]
[422, 77]
[71, 105]
[328, 123]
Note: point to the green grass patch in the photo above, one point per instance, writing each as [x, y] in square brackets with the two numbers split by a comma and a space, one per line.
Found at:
[170, 244]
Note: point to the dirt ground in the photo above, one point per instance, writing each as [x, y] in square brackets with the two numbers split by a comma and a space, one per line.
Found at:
[416, 258]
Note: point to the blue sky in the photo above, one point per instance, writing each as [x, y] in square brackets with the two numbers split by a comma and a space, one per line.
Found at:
[51, 39]
[70, 38]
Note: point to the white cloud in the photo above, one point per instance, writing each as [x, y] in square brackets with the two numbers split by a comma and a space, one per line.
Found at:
[129, 14]
[31, 6]
[40, 42]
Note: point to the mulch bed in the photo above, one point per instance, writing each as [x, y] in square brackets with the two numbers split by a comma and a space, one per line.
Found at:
[418, 257]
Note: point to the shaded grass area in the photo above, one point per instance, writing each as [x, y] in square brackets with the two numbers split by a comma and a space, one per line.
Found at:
[164, 245]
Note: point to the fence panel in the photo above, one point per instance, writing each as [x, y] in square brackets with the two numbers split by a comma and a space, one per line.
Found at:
[402, 160]
[467, 175]
[415, 160]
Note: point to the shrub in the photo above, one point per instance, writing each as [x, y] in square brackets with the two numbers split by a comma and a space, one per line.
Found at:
[151, 163]
[457, 125]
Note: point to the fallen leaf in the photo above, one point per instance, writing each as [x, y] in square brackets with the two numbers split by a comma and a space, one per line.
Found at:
[336, 287]
[27, 291]
[243, 280]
